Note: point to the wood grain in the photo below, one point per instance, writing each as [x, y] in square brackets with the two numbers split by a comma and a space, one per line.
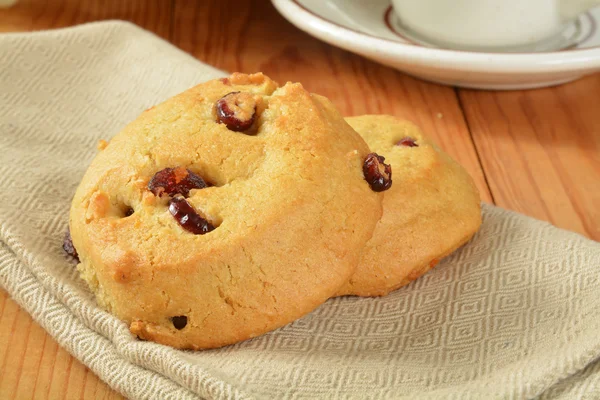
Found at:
[540, 150]
[33, 15]
[33, 365]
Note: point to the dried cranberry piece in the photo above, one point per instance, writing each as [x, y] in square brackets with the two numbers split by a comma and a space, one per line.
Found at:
[377, 173]
[174, 181]
[68, 245]
[407, 142]
[187, 217]
[237, 110]
[179, 322]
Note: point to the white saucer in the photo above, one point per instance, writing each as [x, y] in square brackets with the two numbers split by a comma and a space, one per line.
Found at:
[372, 30]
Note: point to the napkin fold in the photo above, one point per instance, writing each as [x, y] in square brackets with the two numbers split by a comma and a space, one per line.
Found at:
[513, 314]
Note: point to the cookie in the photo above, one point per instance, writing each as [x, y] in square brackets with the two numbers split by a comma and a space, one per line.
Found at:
[223, 213]
[432, 208]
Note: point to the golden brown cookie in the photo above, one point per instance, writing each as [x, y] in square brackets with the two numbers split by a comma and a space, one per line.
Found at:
[432, 208]
[223, 213]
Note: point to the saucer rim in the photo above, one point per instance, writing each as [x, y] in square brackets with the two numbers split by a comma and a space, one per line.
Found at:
[387, 16]
[353, 40]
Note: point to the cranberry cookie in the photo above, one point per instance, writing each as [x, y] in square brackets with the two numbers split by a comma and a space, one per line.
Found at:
[225, 212]
[431, 210]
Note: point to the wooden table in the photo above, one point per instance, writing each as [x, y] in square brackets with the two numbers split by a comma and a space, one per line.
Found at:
[536, 152]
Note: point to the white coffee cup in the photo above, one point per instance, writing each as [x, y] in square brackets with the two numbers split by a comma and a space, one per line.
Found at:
[487, 24]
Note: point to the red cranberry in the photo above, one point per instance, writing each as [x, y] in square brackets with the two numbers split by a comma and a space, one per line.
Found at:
[187, 217]
[179, 322]
[174, 181]
[237, 110]
[407, 142]
[68, 245]
[377, 173]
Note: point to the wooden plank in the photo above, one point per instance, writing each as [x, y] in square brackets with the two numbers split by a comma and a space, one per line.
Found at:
[256, 38]
[541, 151]
[32, 15]
[33, 365]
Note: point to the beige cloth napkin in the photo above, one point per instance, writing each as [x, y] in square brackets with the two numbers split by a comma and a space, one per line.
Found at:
[514, 314]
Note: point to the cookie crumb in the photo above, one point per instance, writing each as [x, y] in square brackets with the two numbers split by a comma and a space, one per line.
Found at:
[101, 144]
[98, 206]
